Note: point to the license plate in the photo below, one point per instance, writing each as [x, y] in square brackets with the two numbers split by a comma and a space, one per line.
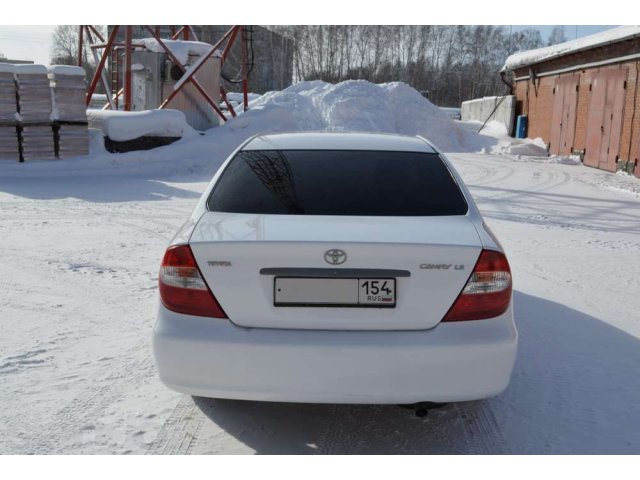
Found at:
[334, 292]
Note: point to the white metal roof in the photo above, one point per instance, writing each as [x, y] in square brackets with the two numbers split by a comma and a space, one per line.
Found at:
[339, 141]
[529, 57]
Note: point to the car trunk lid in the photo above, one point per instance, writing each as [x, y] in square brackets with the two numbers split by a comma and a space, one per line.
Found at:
[241, 255]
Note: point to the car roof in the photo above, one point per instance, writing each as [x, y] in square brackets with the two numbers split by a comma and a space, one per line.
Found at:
[339, 141]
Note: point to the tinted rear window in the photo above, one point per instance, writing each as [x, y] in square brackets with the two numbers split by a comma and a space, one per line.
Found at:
[331, 182]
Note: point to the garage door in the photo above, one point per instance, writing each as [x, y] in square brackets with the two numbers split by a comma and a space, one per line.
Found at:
[606, 110]
[563, 119]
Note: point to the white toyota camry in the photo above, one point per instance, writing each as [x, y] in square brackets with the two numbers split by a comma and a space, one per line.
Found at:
[336, 267]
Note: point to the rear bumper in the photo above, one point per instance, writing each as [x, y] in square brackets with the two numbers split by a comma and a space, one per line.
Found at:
[452, 362]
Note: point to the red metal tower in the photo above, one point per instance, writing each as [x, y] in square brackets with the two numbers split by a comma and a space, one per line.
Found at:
[109, 51]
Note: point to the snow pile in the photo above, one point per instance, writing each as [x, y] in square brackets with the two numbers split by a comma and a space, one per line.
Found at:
[566, 160]
[357, 105]
[122, 126]
[237, 97]
[523, 146]
[529, 57]
[181, 49]
[529, 147]
[503, 144]
[452, 112]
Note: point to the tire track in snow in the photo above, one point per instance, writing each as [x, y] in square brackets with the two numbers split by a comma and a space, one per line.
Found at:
[461, 428]
[482, 435]
[180, 431]
[80, 416]
[66, 421]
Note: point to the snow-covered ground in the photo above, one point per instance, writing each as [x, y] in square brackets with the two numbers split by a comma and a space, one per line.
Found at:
[80, 245]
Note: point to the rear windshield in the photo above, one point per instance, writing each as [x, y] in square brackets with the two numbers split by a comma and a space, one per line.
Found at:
[337, 182]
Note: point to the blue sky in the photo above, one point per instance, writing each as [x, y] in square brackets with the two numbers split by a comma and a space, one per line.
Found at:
[30, 42]
[569, 30]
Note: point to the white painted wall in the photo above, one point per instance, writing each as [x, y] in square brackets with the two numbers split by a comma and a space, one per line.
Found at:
[480, 109]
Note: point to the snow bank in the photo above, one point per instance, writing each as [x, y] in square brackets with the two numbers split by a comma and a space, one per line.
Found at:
[122, 126]
[236, 97]
[180, 48]
[307, 106]
[529, 57]
[356, 105]
[68, 70]
[503, 144]
[524, 146]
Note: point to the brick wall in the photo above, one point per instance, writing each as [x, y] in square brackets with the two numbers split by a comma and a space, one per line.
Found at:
[536, 101]
[535, 98]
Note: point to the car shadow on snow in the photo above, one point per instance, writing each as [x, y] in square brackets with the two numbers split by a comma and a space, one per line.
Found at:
[575, 389]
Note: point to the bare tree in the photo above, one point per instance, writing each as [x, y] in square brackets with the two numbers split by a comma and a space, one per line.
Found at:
[557, 35]
[64, 47]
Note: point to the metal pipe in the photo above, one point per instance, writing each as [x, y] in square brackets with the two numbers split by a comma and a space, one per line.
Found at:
[95, 32]
[507, 83]
[195, 67]
[177, 34]
[103, 75]
[103, 59]
[80, 44]
[245, 70]
[115, 99]
[223, 94]
[193, 33]
[128, 34]
[233, 32]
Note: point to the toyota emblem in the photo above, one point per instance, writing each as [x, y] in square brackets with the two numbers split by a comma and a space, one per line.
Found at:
[335, 256]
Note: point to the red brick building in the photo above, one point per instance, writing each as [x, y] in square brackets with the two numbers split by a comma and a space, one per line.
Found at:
[581, 97]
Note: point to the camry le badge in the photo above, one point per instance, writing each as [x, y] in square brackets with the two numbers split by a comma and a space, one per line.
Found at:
[335, 256]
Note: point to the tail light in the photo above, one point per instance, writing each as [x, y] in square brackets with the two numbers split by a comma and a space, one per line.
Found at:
[488, 291]
[182, 288]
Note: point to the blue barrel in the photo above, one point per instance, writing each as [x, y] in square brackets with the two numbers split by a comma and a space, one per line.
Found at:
[521, 126]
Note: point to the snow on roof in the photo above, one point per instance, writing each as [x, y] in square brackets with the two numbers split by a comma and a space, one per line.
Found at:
[180, 48]
[7, 68]
[529, 57]
[30, 69]
[67, 70]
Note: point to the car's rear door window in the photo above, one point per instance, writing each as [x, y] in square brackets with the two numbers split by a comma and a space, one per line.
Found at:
[337, 182]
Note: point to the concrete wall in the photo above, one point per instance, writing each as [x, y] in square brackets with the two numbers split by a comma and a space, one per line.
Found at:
[480, 109]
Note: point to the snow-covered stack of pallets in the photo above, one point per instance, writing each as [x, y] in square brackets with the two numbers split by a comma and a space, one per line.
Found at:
[34, 101]
[69, 110]
[9, 145]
